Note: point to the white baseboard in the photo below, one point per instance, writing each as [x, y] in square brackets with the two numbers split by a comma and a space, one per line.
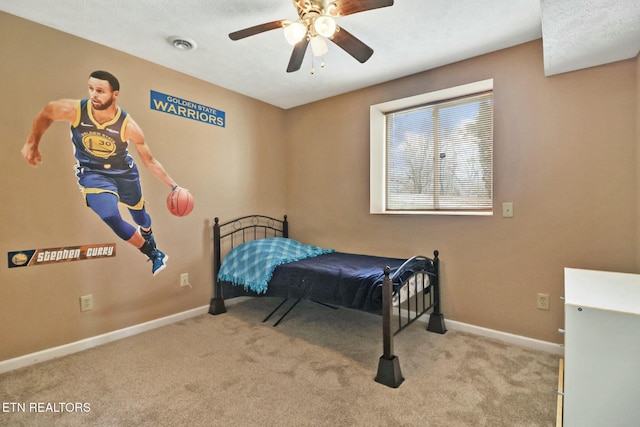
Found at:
[74, 347]
[519, 340]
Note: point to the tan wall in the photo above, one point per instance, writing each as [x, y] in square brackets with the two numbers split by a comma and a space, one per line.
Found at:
[565, 155]
[229, 170]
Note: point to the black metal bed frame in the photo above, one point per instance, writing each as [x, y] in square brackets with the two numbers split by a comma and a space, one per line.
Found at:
[253, 227]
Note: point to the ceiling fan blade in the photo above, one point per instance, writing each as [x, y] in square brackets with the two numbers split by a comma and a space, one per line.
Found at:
[251, 31]
[352, 45]
[297, 55]
[349, 7]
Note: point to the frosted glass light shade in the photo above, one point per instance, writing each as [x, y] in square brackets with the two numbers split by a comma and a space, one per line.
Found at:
[325, 26]
[294, 32]
[318, 46]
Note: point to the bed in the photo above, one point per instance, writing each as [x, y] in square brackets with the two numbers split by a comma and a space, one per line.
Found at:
[261, 260]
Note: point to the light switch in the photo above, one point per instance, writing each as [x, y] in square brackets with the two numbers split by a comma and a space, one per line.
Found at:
[507, 210]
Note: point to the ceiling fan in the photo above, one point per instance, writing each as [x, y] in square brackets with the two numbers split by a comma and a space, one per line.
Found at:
[315, 24]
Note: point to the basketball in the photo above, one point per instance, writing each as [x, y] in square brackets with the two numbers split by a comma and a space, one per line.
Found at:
[180, 202]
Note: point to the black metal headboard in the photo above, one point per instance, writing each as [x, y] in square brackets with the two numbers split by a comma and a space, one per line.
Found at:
[228, 235]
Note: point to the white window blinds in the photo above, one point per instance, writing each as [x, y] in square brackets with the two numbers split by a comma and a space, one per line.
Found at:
[439, 156]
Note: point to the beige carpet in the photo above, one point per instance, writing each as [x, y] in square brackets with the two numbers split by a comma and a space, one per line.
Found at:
[316, 368]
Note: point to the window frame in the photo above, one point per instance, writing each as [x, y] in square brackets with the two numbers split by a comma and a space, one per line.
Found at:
[377, 161]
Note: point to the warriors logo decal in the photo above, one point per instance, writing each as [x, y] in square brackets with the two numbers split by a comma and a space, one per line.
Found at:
[99, 145]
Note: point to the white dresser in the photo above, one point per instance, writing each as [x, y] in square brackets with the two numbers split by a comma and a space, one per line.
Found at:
[602, 349]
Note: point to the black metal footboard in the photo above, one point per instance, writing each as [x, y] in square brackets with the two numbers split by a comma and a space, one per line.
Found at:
[418, 293]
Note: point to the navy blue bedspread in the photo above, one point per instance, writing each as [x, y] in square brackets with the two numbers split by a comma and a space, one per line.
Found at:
[347, 280]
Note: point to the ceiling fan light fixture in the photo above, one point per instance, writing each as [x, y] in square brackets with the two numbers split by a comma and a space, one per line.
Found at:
[325, 26]
[318, 46]
[314, 25]
[295, 32]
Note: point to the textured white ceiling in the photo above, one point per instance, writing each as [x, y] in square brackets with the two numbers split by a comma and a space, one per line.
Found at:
[579, 34]
[408, 37]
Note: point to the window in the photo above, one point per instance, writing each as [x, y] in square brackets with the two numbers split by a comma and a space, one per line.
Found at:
[433, 153]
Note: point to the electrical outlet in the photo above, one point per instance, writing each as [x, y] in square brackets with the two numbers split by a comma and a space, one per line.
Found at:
[86, 303]
[184, 280]
[542, 301]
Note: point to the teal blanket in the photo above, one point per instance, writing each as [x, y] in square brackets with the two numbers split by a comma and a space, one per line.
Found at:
[252, 263]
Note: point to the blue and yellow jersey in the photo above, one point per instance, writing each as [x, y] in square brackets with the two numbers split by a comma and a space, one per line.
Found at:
[100, 147]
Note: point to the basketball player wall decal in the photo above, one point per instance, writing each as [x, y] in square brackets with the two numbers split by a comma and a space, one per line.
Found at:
[101, 133]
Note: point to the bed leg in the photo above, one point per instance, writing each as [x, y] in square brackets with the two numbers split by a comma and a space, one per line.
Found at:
[436, 319]
[436, 323]
[389, 365]
[217, 306]
[217, 302]
[389, 372]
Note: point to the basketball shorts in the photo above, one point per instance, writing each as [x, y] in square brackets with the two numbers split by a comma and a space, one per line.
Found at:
[125, 185]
